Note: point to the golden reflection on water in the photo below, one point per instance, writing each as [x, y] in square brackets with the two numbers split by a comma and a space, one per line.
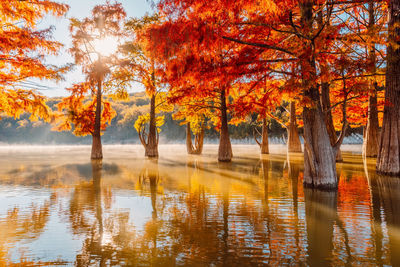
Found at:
[192, 210]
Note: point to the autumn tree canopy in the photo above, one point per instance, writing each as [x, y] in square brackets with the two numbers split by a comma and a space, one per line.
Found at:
[23, 50]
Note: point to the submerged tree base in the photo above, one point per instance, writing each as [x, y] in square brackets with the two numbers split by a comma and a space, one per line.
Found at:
[97, 150]
[151, 152]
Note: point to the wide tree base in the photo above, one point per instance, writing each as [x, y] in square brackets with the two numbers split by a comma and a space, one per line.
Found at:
[96, 156]
[97, 150]
[151, 152]
[225, 151]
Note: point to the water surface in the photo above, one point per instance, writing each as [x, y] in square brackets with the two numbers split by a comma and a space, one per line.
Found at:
[59, 208]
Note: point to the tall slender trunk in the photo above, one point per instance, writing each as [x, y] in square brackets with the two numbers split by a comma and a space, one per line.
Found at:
[97, 151]
[197, 148]
[264, 142]
[151, 149]
[319, 155]
[326, 105]
[199, 141]
[189, 145]
[326, 101]
[371, 136]
[293, 144]
[388, 161]
[225, 147]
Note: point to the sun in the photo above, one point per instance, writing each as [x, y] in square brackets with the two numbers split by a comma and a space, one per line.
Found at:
[106, 46]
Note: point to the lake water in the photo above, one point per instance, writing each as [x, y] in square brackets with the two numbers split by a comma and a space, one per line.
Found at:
[59, 208]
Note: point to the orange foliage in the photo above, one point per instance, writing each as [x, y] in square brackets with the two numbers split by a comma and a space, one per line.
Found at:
[79, 110]
[23, 49]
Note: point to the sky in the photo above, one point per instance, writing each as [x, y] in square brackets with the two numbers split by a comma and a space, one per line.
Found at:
[80, 9]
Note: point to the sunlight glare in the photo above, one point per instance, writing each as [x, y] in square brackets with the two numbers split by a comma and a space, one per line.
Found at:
[106, 46]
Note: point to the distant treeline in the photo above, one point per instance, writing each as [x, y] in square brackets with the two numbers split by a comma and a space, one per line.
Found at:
[121, 130]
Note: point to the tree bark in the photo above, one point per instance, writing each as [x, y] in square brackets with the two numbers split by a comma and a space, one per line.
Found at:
[189, 145]
[97, 151]
[197, 148]
[264, 142]
[225, 147]
[199, 141]
[326, 105]
[326, 101]
[388, 161]
[371, 136]
[319, 155]
[151, 149]
[293, 144]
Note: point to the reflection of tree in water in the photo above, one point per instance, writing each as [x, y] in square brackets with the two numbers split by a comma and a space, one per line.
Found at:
[196, 227]
[385, 193]
[24, 225]
[221, 224]
[293, 175]
[376, 217]
[150, 175]
[86, 216]
[321, 213]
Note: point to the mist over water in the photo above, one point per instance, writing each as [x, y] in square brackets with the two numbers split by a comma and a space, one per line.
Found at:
[58, 207]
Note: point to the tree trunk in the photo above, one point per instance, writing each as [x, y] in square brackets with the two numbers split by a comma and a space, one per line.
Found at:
[293, 144]
[199, 141]
[189, 145]
[264, 141]
[388, 161]
[371, 136]
[225, 147]
[326, 105]
[97, 151]
[319, 155]
[197, 148]
[151, 149]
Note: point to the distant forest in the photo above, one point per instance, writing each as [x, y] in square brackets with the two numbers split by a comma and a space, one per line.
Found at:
[122, 131]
